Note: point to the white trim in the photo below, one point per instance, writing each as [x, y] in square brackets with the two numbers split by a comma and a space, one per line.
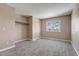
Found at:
[36, 38]
[19, 41]
[55, 39]
[74, 48]
[4, 49]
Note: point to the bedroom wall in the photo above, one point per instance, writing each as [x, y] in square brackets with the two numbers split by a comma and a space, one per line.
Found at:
[29, 28]
[65, 33]
[8, 32]
[35, 28]
[7, 26]
[21, 27]
[75, 28]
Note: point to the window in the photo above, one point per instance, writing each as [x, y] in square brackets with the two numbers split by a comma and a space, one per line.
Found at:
[53, 25]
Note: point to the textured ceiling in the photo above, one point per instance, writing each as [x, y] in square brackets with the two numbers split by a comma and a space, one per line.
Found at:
[43, 10]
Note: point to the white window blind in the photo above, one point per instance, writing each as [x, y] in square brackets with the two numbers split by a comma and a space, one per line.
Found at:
[53, 25]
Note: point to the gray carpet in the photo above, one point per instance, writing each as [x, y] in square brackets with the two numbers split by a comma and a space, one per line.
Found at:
[41, 47]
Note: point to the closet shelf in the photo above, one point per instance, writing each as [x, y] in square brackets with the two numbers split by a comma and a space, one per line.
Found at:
[21, 23]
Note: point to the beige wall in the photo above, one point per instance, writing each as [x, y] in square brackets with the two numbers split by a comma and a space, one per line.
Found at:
[29, 28]
[10, 30]
[21, 27]
[65, 33]
[7, 26]
[14, 27]
[24, 31]
[75, 28]
[35, 28]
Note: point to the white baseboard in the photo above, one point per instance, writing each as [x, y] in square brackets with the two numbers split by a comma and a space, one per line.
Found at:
[36, 38]
[4, 49]
[74, 48]
[19, 41]
[1, 50]
[56, 39]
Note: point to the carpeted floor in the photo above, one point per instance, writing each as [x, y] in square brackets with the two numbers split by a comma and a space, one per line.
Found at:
[41, 47]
